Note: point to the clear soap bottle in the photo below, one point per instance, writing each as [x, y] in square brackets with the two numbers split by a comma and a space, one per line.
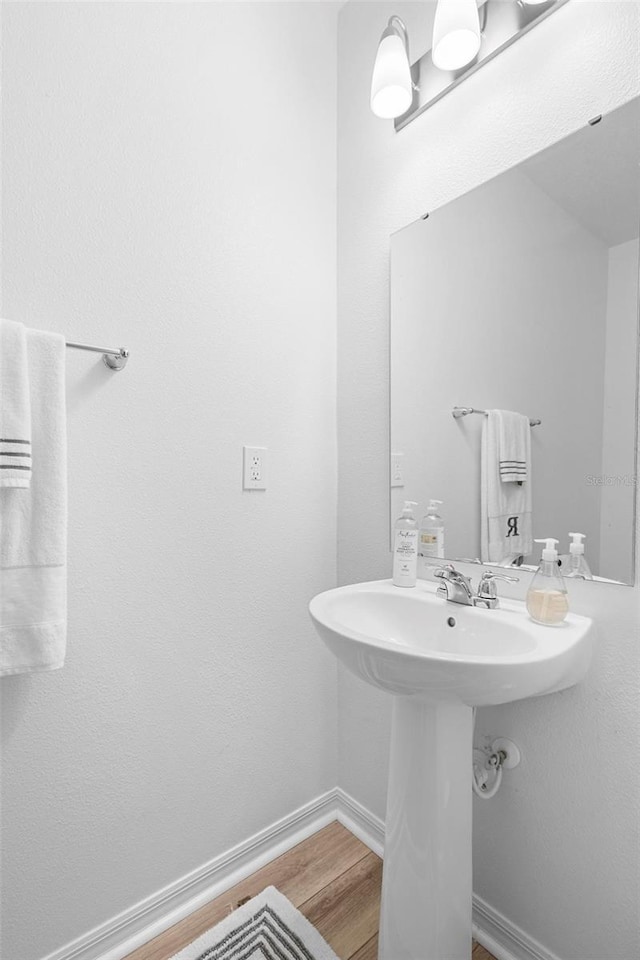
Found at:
[431, 543]
[547, 600]
[578, 566]
[405, 547]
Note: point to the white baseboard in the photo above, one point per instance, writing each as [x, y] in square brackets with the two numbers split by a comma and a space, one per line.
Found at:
[116, 938]
[502, 938]
[360, 822]
[123, 933]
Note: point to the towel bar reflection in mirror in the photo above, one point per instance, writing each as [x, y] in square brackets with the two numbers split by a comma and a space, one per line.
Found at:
[458, 412]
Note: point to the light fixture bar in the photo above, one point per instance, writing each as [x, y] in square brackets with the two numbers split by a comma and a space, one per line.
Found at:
[502, 23]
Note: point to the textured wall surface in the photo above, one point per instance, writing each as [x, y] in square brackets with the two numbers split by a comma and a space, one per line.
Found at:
[196, 706]
[169, 184]
[558, 850]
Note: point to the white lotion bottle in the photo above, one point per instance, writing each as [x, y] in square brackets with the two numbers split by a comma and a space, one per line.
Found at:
[547, 600]
[405, 547]
[431, 542]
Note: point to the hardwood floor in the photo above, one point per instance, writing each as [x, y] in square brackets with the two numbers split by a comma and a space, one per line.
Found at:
[332, 878]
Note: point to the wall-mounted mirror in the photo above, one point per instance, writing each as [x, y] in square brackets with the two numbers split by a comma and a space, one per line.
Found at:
[522, 296]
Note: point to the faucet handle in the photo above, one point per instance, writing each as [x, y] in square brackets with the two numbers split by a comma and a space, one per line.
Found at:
[488, 589]
[449, 572]
[492, 575]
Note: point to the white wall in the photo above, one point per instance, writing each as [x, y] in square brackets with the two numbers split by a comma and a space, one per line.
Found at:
[558, 850]
[169, 181]
[515, 319]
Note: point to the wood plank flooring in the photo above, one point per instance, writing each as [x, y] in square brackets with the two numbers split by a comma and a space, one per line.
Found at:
[332, 878]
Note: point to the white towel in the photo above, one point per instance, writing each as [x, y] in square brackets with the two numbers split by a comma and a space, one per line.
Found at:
[514, 436]
[15, 407]
[505, 508]
[33, 526]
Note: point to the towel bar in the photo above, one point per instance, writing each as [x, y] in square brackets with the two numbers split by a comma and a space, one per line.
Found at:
[114, 359]
[458, 412]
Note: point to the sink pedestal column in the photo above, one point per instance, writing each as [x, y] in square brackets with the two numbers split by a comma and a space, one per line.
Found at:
[427, 882]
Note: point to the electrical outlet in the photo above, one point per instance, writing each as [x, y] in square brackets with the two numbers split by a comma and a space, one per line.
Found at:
[397, 478]
[254, 469]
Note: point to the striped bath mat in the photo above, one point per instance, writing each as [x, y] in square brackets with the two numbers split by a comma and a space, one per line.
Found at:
[267, 927]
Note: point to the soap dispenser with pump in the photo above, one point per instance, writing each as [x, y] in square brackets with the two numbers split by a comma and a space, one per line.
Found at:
[405, 547]
[431, 542]
[547, 600]
[577, 567]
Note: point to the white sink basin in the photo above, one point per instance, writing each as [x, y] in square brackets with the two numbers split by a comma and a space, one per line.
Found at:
[440, 659]
[410, 641]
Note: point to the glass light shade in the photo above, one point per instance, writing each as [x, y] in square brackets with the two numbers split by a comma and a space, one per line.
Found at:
[456, 34]
[391, 90]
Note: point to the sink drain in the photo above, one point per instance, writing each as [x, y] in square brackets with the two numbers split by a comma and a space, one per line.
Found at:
[451, 621]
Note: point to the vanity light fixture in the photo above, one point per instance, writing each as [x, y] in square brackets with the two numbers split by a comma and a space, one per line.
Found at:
[456, 34]
[466, 35]
[391, 88]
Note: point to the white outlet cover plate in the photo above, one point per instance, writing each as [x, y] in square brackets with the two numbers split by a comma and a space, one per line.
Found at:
[397, 473]
[254, 468]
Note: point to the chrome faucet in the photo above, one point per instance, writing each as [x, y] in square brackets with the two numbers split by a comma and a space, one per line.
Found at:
[454, 586]
[457, 588]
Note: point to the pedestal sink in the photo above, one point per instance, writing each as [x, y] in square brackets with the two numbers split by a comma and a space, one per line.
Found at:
[439, 660]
